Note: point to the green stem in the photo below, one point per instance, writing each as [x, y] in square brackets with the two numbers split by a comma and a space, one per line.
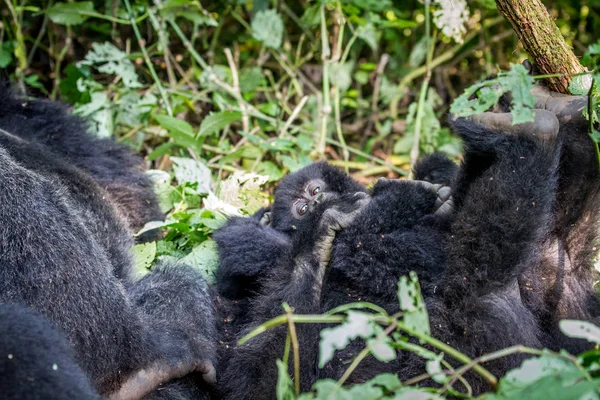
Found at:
[590, 110]
[326, 106]
[452, 352]
[21, 50]
[296, 346]
[138, 35]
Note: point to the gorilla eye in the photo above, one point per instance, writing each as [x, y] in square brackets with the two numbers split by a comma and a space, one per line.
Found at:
[316, 191]
[302, 208]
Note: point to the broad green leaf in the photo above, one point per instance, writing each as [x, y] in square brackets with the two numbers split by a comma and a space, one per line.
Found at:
[546, 377]
[70, 13]
[580, 330]
[337, 338]
[411, 302]
[267, 27]
[216, 121]
[181, 132]
[143, 256]
[204, 257]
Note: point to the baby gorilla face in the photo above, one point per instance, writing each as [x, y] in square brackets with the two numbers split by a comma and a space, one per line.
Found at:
[303, 196]
[313, 193]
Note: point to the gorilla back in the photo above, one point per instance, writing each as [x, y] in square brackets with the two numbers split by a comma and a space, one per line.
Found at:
[65, 252]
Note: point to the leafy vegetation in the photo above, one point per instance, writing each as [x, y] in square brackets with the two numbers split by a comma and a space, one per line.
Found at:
[225, 97]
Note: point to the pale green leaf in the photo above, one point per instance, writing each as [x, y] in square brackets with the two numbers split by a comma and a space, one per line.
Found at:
[216, 121]
[368, 33]
[188, 170]
[356, 325]
[143, 256]
[205, 257]
[267, 27]
[70, 13]
[411, 302]
[580, 330]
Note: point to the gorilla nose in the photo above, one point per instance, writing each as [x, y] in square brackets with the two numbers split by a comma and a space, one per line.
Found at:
[318, 198]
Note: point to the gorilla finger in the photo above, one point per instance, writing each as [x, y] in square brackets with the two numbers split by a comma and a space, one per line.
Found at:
[208, 371]
[446, 208]
[544, 126]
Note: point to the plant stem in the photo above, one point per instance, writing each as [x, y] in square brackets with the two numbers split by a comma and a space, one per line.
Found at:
[295, 346]
[140, 40]
[326, 107]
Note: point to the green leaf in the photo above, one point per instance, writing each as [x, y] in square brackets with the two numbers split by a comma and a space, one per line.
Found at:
[411, 302]
[311, 16]
[109, 59]
[216, 121]
[70, 13]
[580, 330]
[519, 82]
[434, 368]
[285, 387]
[372, 5]
[327, 389]
[368, 33]
[267, 27]
[188, 170]
[337, 338]
[189, 10]
[179, 130]
[161, 183]
[546, 377]
[6, 56]
[381, 348]
[143, 256]
[205, 257]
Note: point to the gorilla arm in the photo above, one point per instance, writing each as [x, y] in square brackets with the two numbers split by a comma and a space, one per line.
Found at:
[251, 371]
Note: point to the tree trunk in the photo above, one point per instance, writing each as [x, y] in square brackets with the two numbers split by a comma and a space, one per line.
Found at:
[542, 40]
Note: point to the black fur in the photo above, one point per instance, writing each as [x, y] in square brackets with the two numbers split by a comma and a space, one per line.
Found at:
[36, 360]
[65, 137]
[494, 276]
[65, 251]
[436, 168]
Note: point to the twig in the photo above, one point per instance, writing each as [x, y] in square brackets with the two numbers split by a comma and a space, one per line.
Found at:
[293, 116]
[326, 106]
[414, 151]
[162, 37]
[385, 58]
[295, 347]
[140, 40]
[361, 356]
[236, 89]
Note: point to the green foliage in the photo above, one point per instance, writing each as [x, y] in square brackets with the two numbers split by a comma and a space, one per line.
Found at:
[517, 81]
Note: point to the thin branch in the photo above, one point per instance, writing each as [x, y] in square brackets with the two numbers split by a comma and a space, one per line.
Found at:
[236, 89]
